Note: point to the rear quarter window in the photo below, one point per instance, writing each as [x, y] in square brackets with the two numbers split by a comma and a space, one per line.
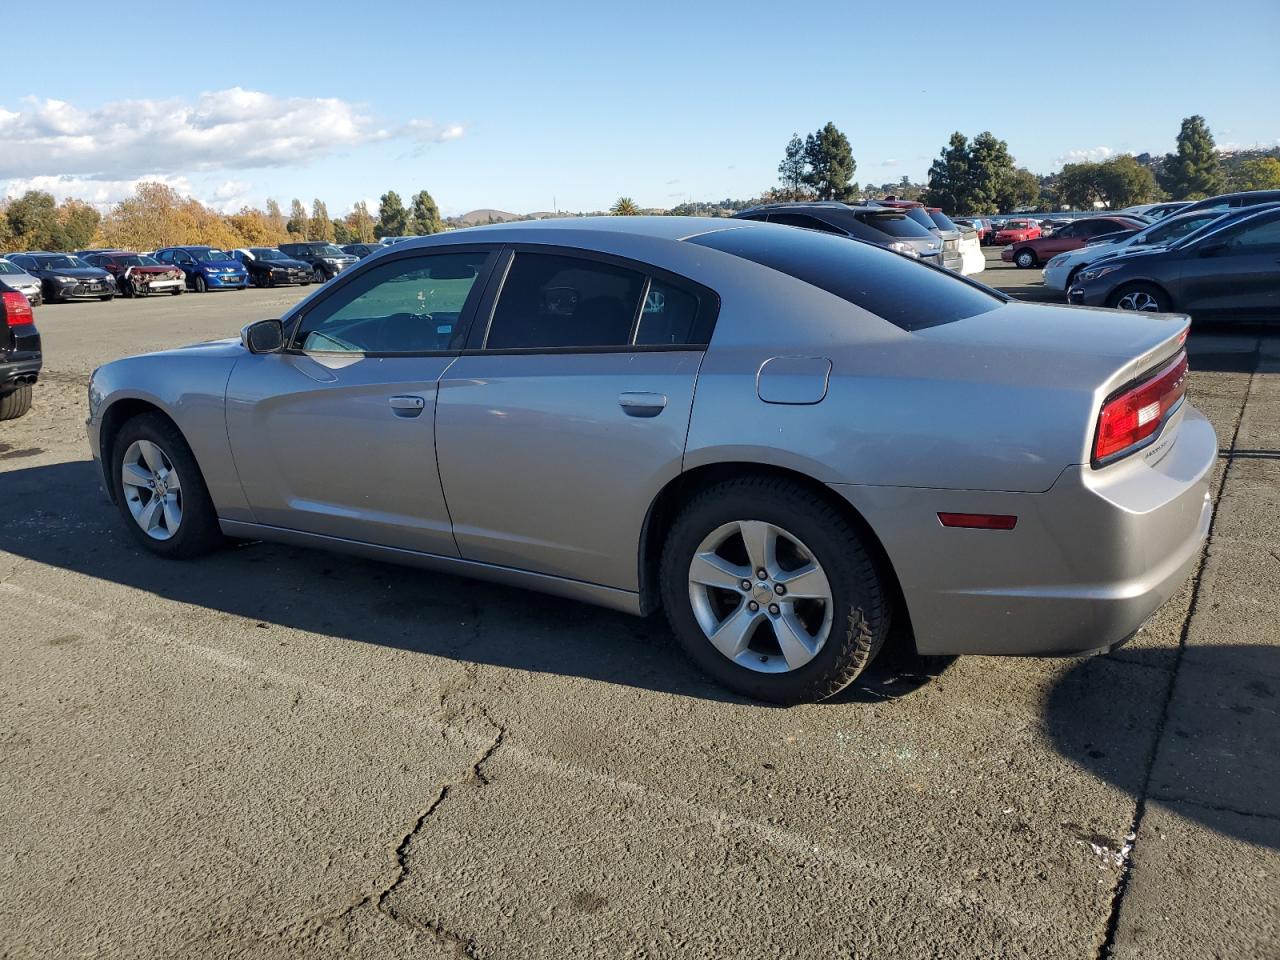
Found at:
[908, 294]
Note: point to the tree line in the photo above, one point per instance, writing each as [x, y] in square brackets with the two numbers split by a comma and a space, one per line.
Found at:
[157, 215]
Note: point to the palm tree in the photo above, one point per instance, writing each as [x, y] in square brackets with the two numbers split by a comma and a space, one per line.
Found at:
[624, 207]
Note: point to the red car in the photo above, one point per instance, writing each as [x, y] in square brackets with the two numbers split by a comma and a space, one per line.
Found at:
[1033, 251]
[1017, 231]
[137, 275]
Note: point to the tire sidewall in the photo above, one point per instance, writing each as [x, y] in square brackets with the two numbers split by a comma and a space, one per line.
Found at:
[198, 530]
[837, 550]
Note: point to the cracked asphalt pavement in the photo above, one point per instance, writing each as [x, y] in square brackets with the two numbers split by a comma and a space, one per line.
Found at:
[276, 752]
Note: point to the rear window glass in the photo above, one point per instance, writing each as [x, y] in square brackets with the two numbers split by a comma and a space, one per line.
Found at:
[895, 225]
[942, 220]
[909, 295]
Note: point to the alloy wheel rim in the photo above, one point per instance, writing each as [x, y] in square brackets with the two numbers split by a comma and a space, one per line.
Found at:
[152, 489]
[1138, 300]
[760, 596]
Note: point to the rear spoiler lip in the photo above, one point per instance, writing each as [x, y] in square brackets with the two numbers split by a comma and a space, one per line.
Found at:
[1145, 364]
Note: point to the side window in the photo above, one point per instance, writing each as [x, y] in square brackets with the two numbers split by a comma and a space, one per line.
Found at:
[164, 256]
[1255, 237]
[668, 316]
[801, 220]
[548, 300]
[181, 256]
[411, 305]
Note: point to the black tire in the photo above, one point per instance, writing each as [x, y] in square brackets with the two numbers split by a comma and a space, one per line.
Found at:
[861, 609]
[177, 291]
[1025, 259]
[1071, 278]
[1137, 291]
[317, 275]
[198, 533]
[15, 403]
[107, 298]
[199, 285]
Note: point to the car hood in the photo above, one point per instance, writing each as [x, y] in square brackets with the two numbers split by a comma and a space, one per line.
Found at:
[290, 264]
[230, 347]
[80, 273]
[220, 264]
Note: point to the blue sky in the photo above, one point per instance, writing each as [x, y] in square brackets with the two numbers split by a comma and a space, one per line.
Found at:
[521, 105]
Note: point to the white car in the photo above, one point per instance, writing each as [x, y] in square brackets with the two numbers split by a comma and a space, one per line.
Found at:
[1062, 269]
[1156, 211]
[973, 260]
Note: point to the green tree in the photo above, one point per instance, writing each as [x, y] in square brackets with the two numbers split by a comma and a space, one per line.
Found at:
[829, 163]
[624, 207]
[276, 222]
[360, 223]
[1019, 191]
[1260, 174]
[424, 215]
[989, 175]
[341, 232]
[1193, 170]
[1124, 182]
[393, 219]
[297, 224]
[791, 170]
[79, 223]
[319, 226]
[949, 176]
[1080, 185]
[33, 222]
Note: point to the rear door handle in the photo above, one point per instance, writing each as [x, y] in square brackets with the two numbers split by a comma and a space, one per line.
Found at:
[406, 406]
[640, 404]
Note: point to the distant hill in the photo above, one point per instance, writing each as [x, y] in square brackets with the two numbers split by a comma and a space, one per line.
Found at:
[486, 215]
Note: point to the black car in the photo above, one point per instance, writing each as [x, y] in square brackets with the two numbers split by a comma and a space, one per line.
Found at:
[882, 226]
[325, 259]
[362, 250]
[20, 356]
[64, 276]
[269, 267]
[1225, 268]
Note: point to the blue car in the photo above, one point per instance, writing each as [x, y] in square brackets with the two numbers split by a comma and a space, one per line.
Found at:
[207, 268]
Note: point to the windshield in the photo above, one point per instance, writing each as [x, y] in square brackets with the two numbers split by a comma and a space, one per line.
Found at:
[265, 254]
[326, 250]
[210, 255]
[7, 267]
[1169, 230]
[895, 225]
[1219, 218]
[59, 262]
[134, 260]
[942, 220]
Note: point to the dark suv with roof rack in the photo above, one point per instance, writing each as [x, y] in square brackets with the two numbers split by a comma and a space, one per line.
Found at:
[885, 228]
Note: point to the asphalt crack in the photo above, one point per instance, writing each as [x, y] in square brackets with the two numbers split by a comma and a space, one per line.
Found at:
[1140, 808]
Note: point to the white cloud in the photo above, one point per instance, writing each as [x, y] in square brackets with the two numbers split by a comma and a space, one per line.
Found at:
[1090, 155]
[101, 193]
[888, 163]
[223, 130]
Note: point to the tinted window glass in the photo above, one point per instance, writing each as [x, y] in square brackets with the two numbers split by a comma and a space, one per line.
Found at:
[1176, 227]
[920, 216]
[909, 295]
[800, 220]
[553, 301]
[667, 317]
[407, 306]
[894, 224]
[942, 220]
[1255, 235]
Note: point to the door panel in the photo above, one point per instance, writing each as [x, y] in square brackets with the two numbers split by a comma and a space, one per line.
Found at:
[1244, 280]
[549, 461]
[341, 446]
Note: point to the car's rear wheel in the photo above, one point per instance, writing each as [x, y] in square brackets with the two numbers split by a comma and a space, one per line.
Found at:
[1025, 259]
[771, 592]
[199, 284]
[1144, 297]
[16, 402]
[160, 491]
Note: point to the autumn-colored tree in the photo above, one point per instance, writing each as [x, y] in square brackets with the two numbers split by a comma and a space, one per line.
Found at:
[319, 226]
[276, 222]
[360, 223]
[255, 228]
[297, 223]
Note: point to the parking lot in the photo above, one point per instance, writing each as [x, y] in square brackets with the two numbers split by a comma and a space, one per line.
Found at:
[274, 752]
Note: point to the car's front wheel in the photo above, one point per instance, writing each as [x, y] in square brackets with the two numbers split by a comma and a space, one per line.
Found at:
[1140, 296]
[160, 491]
[199, 284]
[771, 591]
[317, 275]
[1025, 259]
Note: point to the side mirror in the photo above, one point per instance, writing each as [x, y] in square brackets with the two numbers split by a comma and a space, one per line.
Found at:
[264, 336]
[1212, 249]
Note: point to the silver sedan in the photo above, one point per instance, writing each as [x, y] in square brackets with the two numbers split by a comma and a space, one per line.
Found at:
[787, 441]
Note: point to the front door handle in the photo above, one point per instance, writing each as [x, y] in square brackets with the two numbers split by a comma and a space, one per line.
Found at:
[407, 406]
[640, 404]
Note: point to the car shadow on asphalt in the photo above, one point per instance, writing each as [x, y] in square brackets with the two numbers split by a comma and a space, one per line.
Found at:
[57, 515]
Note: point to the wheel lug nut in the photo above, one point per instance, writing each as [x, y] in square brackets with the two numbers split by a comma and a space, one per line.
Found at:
[773, 608]
[762, 574]
[779, 589]
[746, 584]
[753, 606]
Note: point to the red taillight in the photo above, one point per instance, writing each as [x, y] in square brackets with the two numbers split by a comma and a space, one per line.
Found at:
[1133, 416]
[17, 309]
[979, 521]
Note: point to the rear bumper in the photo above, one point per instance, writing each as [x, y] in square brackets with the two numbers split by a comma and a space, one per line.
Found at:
[1088, 563]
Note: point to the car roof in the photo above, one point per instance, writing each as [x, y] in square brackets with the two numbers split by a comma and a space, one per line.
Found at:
[662, 228]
